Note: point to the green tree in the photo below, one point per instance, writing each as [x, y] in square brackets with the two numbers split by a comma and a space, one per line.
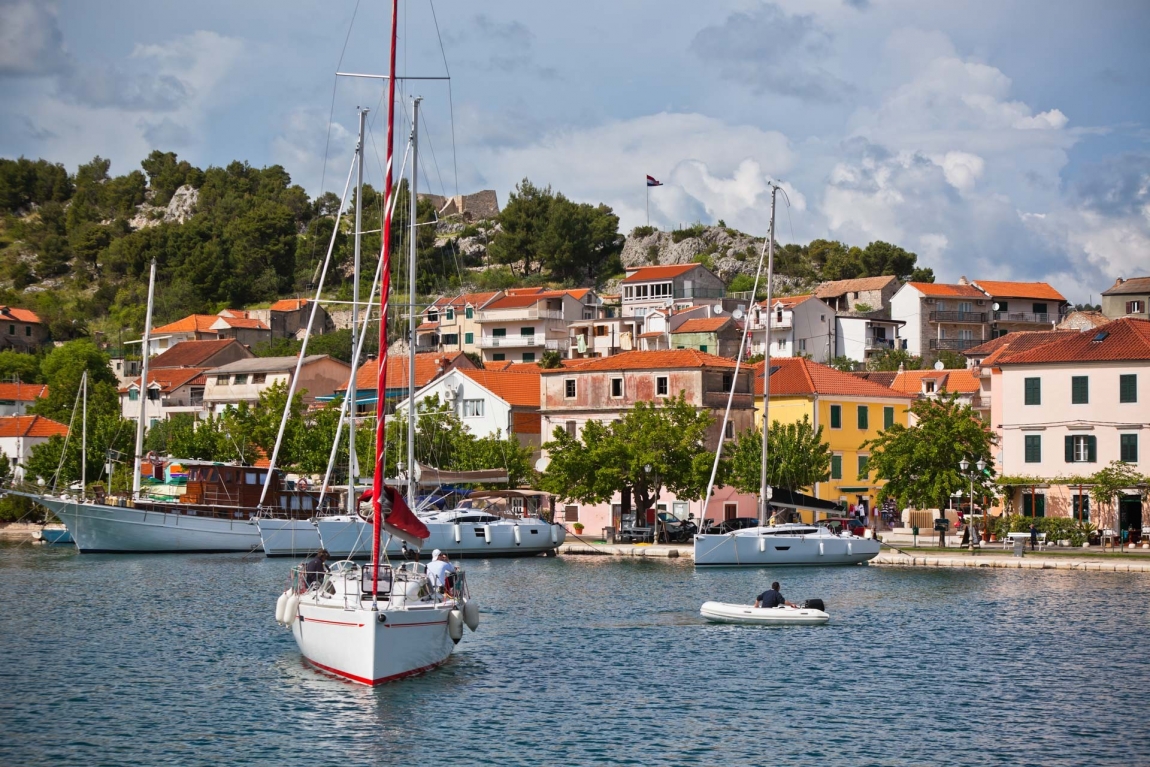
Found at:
[798, 457]
[551, 360]
[892, 359]
[63, 368]
[845, 364]
[613, 458]
[920, 463]
[952, 360]
[522, 221]
[1111, 482]
[19, 366]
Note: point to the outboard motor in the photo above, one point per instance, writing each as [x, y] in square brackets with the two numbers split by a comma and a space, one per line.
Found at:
[814, 604]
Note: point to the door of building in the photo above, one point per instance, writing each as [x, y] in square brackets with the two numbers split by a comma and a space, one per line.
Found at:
[1130, 516]
[1034, 505]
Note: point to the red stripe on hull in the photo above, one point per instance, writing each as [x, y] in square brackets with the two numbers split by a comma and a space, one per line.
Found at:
[305, 619]
[373, 682]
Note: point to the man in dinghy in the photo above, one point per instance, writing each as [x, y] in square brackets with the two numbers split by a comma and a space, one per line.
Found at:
[772, 598]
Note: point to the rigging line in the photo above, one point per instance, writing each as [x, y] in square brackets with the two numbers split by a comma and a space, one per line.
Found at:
[72, 420]
[450, 100]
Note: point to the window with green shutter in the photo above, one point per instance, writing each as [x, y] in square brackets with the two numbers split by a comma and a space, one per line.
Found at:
[1033, 391]
[836, 467]
[450, 311]
[1082, 507]
[887, 417]
[1033, 448]
[1080, 390]
[500, 357]
[1128, 388]
[1034, 505]
[836, 416]
[864, 460]
[864, 418]
[1128, 451]
[468, 312]
[1081, 449]
[468, 338]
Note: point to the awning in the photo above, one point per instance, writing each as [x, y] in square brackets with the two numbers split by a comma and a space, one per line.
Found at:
[431, 476]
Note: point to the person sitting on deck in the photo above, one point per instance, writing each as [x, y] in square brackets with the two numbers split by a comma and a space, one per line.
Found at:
[441, 572]
[772, 598]
[314, 568]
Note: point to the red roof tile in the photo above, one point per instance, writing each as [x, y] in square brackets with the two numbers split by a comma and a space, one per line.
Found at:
[289, 305]
[786, 302]
[465, 299]
[193, 323]
[704, 325]
[647, 273]
[428, 367]
[169, 379]
[190, 354]
[961, 381]
[836, 288]
[242, 322]
[514, 302]
[519, 388]
[993, 350]
[653, 360]
[23, 392]
[1037, 290]
[937, 289]
[797, 376]
[1120, 340]
[30, 426]
[20, 315]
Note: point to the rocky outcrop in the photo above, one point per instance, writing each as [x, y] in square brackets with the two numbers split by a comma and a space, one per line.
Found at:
[180, 208]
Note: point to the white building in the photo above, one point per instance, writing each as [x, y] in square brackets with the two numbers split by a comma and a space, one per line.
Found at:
[170, 391]
[800, 325]
[16, 398]
[20, 433]
[858, 336]
[520, 326]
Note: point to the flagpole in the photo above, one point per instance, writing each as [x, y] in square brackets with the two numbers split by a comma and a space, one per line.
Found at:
[647, 186]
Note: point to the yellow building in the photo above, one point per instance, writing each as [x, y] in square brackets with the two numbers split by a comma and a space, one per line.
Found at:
[851, 411]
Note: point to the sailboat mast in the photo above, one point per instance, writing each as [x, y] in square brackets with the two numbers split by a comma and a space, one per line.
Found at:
[384, 292]
[144, 382]
[84, 440]
[351, 395]
[764, 489]
[413, 207]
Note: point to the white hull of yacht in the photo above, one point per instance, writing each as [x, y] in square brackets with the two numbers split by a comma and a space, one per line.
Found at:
[350, 537]
[97, 528]
[753, 548]
[288, 537]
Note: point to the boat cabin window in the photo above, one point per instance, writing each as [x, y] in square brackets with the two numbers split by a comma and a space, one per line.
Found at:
[283, 502]
[251, 478]
[308, 503]
[295, 502]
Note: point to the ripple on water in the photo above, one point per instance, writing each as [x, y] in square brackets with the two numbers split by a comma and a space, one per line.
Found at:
[177, 660]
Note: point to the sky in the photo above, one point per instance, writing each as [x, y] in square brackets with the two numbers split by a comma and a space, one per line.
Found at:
[995, 140]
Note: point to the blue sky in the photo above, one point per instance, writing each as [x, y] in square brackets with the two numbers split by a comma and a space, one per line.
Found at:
[996, 140]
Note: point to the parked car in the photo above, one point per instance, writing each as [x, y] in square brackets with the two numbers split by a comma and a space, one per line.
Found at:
[730, 525]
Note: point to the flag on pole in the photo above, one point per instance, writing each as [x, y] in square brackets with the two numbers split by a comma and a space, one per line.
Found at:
[652, 182]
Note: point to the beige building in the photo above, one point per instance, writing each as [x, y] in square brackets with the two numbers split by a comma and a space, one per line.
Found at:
[1127, 298]
[520, 325]
[450, 324]
[246, 380]
[678, 286]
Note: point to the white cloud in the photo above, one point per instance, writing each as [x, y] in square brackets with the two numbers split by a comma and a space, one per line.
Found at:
[30, 39]
[961, 169]
[300, 148]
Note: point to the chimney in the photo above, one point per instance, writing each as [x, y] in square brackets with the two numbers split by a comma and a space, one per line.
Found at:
[963, 281]
[1117, 282]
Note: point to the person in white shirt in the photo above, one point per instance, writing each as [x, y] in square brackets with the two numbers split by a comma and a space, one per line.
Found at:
[441, 572]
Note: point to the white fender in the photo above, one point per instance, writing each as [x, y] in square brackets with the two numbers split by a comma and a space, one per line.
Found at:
[458, 534]
[850, 548]
[291, 609]
[518, 539]
[762, 543]
[471, 614]
[821, 550]
[281, 606]
[487, 533]
[554, 536]
[455, 625]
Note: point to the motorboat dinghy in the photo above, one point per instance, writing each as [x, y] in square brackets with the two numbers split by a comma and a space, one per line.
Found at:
[785, 544]
[724, 612]
[52, 534]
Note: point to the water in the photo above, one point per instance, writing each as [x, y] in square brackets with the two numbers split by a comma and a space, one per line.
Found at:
[178, 661]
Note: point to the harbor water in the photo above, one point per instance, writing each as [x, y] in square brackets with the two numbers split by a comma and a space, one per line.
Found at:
[177, 660]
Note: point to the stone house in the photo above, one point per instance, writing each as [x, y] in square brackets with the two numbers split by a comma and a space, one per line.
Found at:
[247, 330]
[22, 329]
[1127, 298]
[476, 206]
[243, 381]
[678, 286]
[862, 295]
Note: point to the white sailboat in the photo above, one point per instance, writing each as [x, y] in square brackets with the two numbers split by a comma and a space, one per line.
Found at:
[373, 623]
[768, 543]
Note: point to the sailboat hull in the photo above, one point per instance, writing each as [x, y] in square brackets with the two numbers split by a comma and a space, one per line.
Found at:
[372, 647]
[738, 550]
[350, 537]
[97, 528]
[288, 537]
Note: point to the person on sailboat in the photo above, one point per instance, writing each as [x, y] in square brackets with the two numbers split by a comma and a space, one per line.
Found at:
[441, 571]
[772, 598]
[314, 568]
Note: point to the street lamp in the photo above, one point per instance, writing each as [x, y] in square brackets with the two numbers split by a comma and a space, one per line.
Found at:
[654, 501]
[964, 466]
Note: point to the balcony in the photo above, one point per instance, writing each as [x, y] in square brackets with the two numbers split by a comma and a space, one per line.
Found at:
[1039, 318]
[786, 323]
[521, 342]
[528, 313]
[954, 344]
[879, 343]
[958, 317]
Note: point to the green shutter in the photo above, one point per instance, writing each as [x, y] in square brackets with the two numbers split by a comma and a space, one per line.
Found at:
[864, 460]
[1080, 390]
[887, 417]
[468, 312]
[1129, 448]
[864, 418]
[468, 338]
[1069, 448]
[1033, 448]
[1040, 505]
[836, 467]
[836, 416]
[1092, 449]
[1033, 391]
[1128, 388]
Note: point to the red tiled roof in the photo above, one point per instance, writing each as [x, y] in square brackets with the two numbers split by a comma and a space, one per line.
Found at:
[1132, 286]
[653, 360]
[1120, 340]
[786, 302]
[20, 315]
[1038, 290]
[427, 326]
[169, 379]
[193, 323]
[797, 376]
[647, 273]
[242, 322]
[937, 289]
[653, 334]
[705, 325]
[520, 388]
[474, 299]
[522, 291]
[428, 367]
[190, 354]
[289, 305]
[993, 350]
[515, 302]
[23, 392]
[836, 288]
[961, 381]
[30, 426]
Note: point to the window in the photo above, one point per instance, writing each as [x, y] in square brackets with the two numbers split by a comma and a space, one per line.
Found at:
[616, 387]
[1135, 307]
[498, 357]
[498, 332]
[1033, 388]
[1002, 306]
[472, 408]
[27, 330]
[965, 307]
[928, 387]
[221, 380]
[569, 388]
[703, 348]
[864, 460]
[1040, 308]
[600, 330]
[153, 394]
[864, 418]
[802, 344]
[1034, 505]
[1081, 449]
[836, 466]
[661, 386]
[450, 313]
[11, 330]
[433, 315]
[527, 331]
[1128, 452]
[450, 339]
[728, 381]
[528, 356]
[836, 416]
[469, 313]
[729, 432]
[887, 417]
[134, 395]
[1128, 387]
[1033, 448]
[1079, 390]
[468, 338]
[1081, 507]
[259, 378]
[570, 426]
[730, 511]
[241, 378]
[570, 513]
[966, 335]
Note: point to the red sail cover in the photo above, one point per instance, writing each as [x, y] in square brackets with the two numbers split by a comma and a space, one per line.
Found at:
[401, 517]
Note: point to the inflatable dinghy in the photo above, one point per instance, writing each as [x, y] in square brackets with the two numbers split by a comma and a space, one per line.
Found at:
[722, 612]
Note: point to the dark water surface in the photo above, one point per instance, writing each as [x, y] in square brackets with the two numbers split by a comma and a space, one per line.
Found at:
[174, 660]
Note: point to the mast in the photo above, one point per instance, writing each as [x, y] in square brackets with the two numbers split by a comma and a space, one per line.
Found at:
[413, 206]
[144, 382]
[351, 395]
[764, 489]
[385, 285]
[84, 441]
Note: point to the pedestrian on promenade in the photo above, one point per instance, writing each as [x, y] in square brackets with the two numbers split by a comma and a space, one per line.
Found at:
[1033, 536]
[772, 598]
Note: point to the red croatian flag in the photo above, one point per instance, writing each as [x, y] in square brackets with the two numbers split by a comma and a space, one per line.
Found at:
[652, 182]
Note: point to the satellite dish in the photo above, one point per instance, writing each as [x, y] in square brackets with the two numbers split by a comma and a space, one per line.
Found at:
[718, 308]
[737, 315]
[996, 307]
[939, 366]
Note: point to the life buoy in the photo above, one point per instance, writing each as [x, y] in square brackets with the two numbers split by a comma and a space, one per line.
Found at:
[301, 485]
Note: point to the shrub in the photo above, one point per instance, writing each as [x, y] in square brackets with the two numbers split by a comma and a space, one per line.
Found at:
[469, 231]
[652, 254]
[642, 231]
[685, 234]
[705, 260]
